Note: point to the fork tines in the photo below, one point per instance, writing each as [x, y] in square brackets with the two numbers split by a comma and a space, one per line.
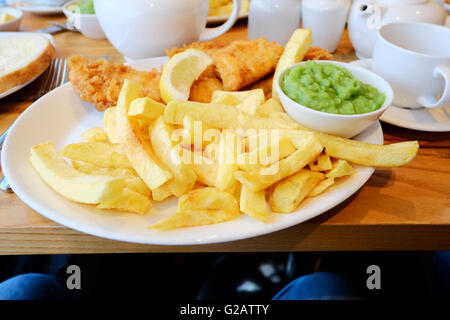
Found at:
[56, 75]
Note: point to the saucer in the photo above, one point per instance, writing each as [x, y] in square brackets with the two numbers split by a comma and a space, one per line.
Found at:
[423, 119]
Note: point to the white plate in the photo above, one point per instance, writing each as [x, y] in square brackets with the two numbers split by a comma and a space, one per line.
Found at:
[18, 34]
[218, 19]
[423, 119]
[60, 117]
[41, 9]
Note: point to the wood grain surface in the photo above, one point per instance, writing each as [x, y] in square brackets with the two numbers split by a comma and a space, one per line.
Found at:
[405, 208]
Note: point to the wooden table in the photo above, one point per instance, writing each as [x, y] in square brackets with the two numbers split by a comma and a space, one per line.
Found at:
[405, 208]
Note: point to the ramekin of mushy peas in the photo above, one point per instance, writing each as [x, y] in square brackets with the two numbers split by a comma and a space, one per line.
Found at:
[330, 88]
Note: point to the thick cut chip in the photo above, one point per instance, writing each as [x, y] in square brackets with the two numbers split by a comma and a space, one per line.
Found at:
[101, 154]
[183, 176]
[229, 146]
[161, 193]
[266, 154]
[366, 154]
[201, 207]
[321, 187]
[256, 181]
[321, 163]
[295, 50]
[340, 168]
[194, 133]
[245, 101]
[137, 148]
[145, 109]
[109, 122]
[221, 116]
[128, 200]
[70, 183]
[254, 204]
[131, 179]
[271, 105]
[94, 134]
[204, 168]
[290, 192]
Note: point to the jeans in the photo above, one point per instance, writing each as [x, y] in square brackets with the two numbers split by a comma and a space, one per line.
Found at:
[315, 286]
[34, 286]
[319, 286]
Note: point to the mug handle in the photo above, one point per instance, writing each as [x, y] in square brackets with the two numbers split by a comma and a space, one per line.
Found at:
[429, 101]
[211, 33]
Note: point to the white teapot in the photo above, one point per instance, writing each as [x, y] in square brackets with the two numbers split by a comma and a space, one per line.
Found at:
[367, 16]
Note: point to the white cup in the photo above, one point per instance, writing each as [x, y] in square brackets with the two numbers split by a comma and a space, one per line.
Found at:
[141, 29]
[415, 59]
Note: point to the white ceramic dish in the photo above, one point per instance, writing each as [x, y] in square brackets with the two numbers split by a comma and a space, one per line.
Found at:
[346, 126]
[433, 120]
[60, 116]
[14, 24]
[220, 19]
[87, 23]
[14, 34]
[41, 9]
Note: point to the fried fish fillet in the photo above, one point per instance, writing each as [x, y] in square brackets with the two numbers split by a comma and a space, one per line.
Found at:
[239, 63]
[100, 81]
[203, 88]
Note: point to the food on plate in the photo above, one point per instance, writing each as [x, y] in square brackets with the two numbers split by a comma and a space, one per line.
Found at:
[243, 62]
[219, 158]
[94, 134]
[204, 87]
[23, 58]
[180, 73]
[339, 169]
[70, 183]
[254, 204]
[6, 17]
[138, 150]
[184, 176]
[367, 154]
[128, 200]
[329, 88]
[246, 101]
[145, 109]
[225, 7]
[287, 194]
[83, 7]
[99, 81]
[295, 50]
[131, 178]
[246, 64]
[200, 207]
[100, 154]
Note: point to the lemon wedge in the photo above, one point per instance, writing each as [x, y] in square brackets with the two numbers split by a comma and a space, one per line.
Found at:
[180, 72]
[294, 52]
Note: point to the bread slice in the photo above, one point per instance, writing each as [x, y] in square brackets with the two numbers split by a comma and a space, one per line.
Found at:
[23, 57]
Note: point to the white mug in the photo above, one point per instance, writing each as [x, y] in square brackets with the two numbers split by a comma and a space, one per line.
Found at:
[415, 59]
[141, 29]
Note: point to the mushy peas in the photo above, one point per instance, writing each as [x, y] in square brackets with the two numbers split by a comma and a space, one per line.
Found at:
[330, 88]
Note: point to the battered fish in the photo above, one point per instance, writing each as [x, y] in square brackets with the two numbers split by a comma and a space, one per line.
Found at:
[100, 81]
[239, 63]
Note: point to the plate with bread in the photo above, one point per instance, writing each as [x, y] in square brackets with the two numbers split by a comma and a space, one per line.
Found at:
[24, 56]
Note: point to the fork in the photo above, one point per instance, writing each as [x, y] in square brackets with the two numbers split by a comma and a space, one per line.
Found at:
[55, 76]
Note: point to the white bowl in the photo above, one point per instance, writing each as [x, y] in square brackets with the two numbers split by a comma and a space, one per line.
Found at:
[87, 23]
[345, 126]
[12, 25]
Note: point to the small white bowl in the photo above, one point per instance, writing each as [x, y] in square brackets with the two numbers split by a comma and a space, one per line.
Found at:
[345, 126]
[87, 23]
[12, 25]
